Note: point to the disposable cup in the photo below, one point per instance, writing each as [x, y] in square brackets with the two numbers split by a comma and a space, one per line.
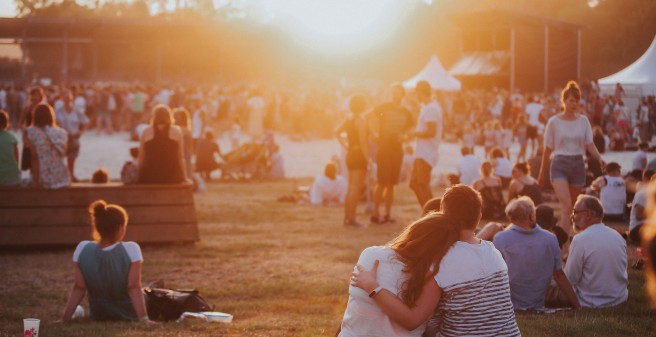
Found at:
[31, 327]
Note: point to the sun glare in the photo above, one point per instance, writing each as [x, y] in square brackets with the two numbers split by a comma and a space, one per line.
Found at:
[338, 26]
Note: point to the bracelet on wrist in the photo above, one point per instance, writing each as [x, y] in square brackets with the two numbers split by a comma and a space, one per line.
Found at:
[375, 292]
[144, 318]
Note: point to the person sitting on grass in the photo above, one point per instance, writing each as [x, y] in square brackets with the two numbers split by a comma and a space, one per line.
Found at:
[533, 258]
[490, 188]
[328, 189]
[523, 184]
[639, 214]
[109, 268]
[205, 159]
[612, 192]
[471, 268]
[597, 263]
[640, 157]
[404, 270]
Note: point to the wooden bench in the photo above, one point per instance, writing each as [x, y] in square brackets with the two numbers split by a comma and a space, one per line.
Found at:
[157, 213]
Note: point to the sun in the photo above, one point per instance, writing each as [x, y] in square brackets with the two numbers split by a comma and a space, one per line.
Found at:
[338, 26]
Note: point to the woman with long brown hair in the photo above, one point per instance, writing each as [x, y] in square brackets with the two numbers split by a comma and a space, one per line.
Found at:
[161, 153]
[404, 266]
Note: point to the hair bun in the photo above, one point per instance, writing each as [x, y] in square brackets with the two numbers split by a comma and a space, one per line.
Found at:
[572, 85]
[98, 206]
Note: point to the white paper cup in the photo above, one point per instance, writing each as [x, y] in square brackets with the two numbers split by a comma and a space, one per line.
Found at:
[31, 327]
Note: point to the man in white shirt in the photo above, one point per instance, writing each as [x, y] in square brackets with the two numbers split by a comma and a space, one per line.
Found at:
[429, 136]
[612, 192]
[597, 263]
[640, 157]
[328, 189]
[535, 129]
[468, 166]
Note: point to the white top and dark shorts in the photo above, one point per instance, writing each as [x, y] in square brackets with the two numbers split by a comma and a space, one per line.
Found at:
[568, 140]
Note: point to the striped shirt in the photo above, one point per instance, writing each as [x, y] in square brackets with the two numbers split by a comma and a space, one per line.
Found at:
[476, 294]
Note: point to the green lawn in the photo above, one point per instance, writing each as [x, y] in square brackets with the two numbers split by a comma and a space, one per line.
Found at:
[281, 269]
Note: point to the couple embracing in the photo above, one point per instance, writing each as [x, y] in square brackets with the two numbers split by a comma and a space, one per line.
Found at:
[434, 279]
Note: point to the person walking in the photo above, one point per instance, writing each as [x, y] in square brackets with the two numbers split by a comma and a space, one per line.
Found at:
[427, 146]
[567, 136]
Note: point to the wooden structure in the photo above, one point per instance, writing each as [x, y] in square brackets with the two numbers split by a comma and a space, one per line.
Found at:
[514, 50]
[80, 48]
[157, 213]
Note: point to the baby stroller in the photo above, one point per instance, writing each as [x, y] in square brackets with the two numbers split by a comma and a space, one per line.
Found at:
[249, 161]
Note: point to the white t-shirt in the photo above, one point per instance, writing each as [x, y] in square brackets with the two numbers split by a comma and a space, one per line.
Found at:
[533, 111]
[363, 317]
[568, 138]
[469, 167]
[504, 168]
[639, 160]
[597, 267]
[640, 198]
[132, 248]
[613, 195]
[323, 189]
[80, 104]
[428, 148]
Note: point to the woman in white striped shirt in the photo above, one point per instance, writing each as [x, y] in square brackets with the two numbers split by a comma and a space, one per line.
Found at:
[469, 294]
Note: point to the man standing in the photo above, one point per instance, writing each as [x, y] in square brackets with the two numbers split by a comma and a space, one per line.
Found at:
[73, 121]
[533, 258]
[597, 264]
[391, 121]
[429, 135]
[534, 131]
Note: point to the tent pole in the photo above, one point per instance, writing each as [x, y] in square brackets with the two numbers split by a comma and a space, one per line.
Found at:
[546, 58]
[578, 55]
[512, 60]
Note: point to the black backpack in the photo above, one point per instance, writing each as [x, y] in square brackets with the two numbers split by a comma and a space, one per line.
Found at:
[168, 305]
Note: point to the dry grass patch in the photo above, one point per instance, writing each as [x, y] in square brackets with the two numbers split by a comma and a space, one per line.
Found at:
[281, 269]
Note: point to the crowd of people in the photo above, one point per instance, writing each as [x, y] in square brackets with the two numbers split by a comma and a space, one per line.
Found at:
[426, 279]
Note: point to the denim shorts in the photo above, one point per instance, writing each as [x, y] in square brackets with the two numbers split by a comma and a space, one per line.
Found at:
[568, 168]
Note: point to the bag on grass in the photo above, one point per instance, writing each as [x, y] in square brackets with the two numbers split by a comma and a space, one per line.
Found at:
[168, 305]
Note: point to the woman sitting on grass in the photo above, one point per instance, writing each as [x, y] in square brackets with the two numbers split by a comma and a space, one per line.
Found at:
[405, 266]
[109, 268]
[523, 184]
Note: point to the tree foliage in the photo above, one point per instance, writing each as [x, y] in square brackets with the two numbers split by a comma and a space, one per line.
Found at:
[616, 32]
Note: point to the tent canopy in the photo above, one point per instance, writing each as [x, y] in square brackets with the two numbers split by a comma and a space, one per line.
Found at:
[641, 74]
[435, 74]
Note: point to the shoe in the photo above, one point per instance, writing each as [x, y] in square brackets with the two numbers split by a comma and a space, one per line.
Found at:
[353, 223]
[388, 219]
[376, 220]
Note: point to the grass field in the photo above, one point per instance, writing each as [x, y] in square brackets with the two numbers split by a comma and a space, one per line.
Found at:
[281, 269]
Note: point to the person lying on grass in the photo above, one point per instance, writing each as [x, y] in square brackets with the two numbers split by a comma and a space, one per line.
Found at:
[109, 269]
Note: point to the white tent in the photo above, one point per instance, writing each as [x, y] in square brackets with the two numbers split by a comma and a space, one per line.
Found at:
[435, 74]
[639, 78]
